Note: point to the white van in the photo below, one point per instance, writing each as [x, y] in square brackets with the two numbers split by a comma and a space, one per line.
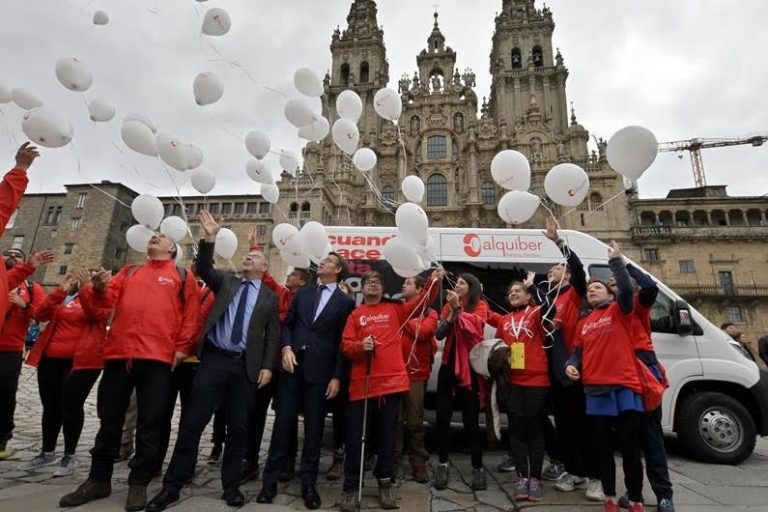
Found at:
[717, 402]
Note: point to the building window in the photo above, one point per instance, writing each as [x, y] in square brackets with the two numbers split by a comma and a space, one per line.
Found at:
[213, 208]
[687, 267]
[177, 209]
[726, 282]
[517, 58]
[63, 270]
[252, 208]
[388, 194]
[57, 216]
[119, 254]
[81, 200]
[239, 208]
[345, 74]
[436, 147]
[124, 227]
[68, 248]
[54, 233]
[226, 208]
[538, 57]
[167, 208]
[191, 208]
[651, 254]
[437, 190]
[489, 193]
[265, 208]
[76, 222]
[735, 314]
[261, 230]
[364, 73]
[54, 214]
[18, 241]
[12, 220]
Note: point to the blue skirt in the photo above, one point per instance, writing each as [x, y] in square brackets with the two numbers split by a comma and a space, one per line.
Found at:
[614, 402]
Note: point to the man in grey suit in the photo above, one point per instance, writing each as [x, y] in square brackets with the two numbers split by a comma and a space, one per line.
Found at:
[237, 349]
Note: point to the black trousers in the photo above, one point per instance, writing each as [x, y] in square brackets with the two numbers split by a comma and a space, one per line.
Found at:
[625, 429]
[181, 387]
[652, 445]
[295, 394]
[338, 409]
[219, 380]
[152, 380]
[62, 394]
[550, 439]
[10, 370]
[383, 416]
[446, 393]
[525, 414]
[219, 426]
[571, 422]
[257, 419]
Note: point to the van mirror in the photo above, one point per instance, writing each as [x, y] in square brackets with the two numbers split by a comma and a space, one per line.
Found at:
[682, 317]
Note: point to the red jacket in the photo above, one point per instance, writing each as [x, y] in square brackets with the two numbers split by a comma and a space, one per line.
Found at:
[76, 331]
[568, 304]
[151, 320]
[17, 320]
[642, 327]
[284, 294]
[608, 357]
[418, 354]
[11, 189]
[385, 322]
[526, 323]
[481, 311]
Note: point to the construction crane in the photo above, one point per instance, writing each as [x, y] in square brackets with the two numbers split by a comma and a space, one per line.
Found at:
[696, 145]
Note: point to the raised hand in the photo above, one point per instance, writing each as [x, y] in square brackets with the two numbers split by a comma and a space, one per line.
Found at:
[551, 231]
[210, 226]
[83, 276]
[253, 237]
[529, 279]
[438, 274]
[613, 250]
[100, 279]
[39, 258]
[16, 299]
[66, 283]
[452, 298]
[25, 156]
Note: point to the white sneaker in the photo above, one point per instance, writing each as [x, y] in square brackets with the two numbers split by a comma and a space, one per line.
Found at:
[569, 482]
[66, 466]
[41, 460]
[595, 490]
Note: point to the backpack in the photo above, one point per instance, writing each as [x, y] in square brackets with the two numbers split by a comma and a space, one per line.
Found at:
[182, 275]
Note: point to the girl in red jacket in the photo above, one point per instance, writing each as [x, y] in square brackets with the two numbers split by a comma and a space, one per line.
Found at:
[68, 357]
[604, 359]
[461, 324]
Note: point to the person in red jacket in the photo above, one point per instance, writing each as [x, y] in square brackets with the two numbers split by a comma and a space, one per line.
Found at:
[153, 329]
[373, 330]
[68, 357]
[604, 360]
[461, 324]
[419, 348]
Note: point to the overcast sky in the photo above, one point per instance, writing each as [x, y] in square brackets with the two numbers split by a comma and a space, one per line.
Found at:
[684, 69]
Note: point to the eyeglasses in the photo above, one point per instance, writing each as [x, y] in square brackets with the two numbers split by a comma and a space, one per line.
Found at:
[373, 283]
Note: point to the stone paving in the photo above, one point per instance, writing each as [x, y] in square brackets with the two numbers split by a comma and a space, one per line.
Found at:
[699, 487]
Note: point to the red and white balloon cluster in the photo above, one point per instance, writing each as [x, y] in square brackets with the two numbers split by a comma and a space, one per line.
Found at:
[299, 247]
[413, 250]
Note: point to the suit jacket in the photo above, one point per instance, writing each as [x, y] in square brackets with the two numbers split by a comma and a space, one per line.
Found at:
[263, 329]
[322, 337]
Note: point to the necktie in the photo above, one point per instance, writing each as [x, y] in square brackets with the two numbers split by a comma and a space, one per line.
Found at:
[237, 326]
[318, 295]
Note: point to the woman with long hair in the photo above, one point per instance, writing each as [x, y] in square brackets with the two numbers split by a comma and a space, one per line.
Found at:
[461, 324]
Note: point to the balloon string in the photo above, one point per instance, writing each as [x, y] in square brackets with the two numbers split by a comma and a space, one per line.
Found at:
[109, 195]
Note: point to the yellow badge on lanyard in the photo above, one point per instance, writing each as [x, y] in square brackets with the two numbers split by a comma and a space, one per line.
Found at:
[517, 356]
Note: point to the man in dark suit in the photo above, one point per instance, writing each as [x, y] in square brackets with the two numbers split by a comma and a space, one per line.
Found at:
[312, 372]
[237, 349]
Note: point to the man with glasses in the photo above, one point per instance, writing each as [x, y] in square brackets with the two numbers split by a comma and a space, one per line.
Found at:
[312, 371]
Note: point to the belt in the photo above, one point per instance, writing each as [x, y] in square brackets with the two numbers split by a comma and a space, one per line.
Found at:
[210, 347]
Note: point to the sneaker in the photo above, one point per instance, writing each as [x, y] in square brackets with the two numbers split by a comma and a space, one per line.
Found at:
[636, 506]
[441, 476]
[569, 483]
[215, 455]
[348, 502]
[5, 452]
[336, 470]
[595, 490]
[554, 472]
[611, 505]
[419, 468]
[41, 460]
[66, 466]
[665, 505]
[507, 465]
[535, 492]
[624, 501]
[387, 496]
[85, 493]
[479, 482]
[521, 489]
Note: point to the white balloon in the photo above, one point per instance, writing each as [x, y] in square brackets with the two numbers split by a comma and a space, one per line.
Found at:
[216, 22]
[511, 170]
[632, 150]
[318, 130]
[194, 156]
[413, 189]
[47, 128]
[202, 180]
[172, 151]
[5, 94]
[138, 237]
[517, 206]
[315, 239]
[295, 259]
[179, 254]
[226, 243]
[25, 99]
[207, 88]
[388, 104]
[283, 234]
[143, 119]
[298, 112]
[257, 143]
[258, 172]
[427, 251]
[413, 224]
[100, 18]
[73, 74]
[567, 184]
[364, 159]
[147, 210]
[174, 228]
[308, 83]
[289, 162]
[139, 138]
[270, 193]
[402, 256]
[101, 110]
[349, 105]
[346, 135]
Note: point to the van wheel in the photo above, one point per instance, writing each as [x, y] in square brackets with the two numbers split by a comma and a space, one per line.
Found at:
[714, 427]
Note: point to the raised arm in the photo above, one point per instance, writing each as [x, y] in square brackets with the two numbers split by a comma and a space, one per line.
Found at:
[625, 296]
[212, 277]
[575, 266]
[15, 183]
[426, 296]
[649, 290]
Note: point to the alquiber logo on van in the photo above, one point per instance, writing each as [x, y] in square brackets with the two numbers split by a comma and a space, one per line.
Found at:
[493, 245]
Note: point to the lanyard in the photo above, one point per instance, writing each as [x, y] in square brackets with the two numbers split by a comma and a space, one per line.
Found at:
[516, 329]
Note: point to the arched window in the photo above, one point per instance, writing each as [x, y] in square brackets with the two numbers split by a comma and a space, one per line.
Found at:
[305, 210]
[596, 201]
[517, 58]
[488, 193]
[437, 190]
[538, 57]
[345, 74]
[364, 73]
[294, 213]
[388, 193]
[436, 147]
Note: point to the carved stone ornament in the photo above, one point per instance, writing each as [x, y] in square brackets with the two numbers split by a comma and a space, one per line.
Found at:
[486, 129]
[388, 135]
